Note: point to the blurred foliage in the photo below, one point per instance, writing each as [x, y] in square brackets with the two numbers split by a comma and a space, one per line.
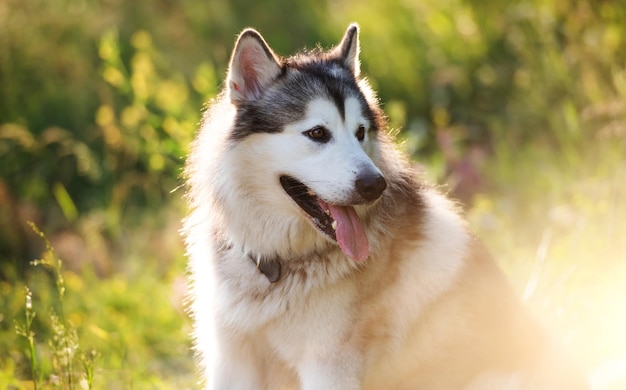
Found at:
[100, 99]
[519, 106]
[130, 325]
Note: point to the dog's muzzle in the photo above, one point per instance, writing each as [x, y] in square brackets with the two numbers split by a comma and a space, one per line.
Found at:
[339, 222]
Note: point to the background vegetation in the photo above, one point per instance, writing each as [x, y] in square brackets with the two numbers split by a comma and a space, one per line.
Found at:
[517, 107]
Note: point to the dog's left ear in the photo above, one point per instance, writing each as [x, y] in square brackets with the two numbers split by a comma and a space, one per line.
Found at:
[348, 50]
[253, 67]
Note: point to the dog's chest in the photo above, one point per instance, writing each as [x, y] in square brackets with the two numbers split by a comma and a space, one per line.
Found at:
[313, 320]
[248, 300]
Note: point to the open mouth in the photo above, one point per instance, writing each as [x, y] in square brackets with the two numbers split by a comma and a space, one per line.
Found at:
[339, 223]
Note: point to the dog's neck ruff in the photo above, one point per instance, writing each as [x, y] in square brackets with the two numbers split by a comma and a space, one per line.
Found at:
[270, 267]
[275, 267]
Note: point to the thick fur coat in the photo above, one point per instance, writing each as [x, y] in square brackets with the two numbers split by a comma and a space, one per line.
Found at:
[319, 259]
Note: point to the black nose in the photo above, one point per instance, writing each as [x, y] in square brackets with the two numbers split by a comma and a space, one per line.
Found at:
[370, 185]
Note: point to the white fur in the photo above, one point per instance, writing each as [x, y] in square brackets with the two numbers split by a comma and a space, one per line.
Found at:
[438, 259]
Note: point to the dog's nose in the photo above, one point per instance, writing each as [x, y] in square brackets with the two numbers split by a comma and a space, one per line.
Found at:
[370, 186]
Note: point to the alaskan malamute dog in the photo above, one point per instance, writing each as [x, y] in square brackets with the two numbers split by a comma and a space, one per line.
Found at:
[319, 260]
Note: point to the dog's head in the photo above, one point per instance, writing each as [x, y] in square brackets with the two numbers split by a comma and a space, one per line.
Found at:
[310, 129]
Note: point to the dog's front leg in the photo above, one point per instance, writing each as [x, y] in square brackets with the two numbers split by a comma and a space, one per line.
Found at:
[338, 372]
[235, 376]
[234, 367]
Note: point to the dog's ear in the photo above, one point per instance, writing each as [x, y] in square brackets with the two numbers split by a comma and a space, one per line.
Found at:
[348, 50]
[253, 66]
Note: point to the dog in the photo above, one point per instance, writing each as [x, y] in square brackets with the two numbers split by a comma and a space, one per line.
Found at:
[320, 260]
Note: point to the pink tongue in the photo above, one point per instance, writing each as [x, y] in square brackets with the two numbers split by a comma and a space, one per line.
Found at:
[350, 232]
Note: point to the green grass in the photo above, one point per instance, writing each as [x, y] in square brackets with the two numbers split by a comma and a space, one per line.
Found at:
[75, 330]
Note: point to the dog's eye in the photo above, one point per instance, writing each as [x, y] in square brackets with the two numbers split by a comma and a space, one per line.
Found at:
[360, 133]
[318, 134]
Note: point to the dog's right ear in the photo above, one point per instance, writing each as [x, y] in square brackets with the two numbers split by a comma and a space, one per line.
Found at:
[253, 66]
[348, 50]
